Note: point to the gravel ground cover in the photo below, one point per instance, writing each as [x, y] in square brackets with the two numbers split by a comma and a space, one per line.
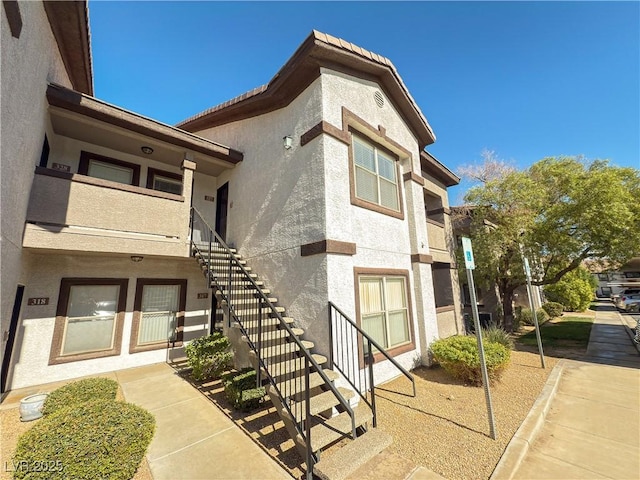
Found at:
[445, 427]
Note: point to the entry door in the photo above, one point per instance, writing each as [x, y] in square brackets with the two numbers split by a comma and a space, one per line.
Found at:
[11, 336]
[221, 211]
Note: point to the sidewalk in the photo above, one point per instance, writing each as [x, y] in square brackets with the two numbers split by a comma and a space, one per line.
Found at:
[193, 439]
[592, 428]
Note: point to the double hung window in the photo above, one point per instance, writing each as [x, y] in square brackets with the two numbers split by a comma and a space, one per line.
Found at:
[376, 179]
[384, 311]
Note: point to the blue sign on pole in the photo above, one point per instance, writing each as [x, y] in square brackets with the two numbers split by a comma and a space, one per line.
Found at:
[468, 253]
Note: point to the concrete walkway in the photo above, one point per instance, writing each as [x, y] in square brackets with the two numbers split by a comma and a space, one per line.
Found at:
[193, 439]
[592, 428]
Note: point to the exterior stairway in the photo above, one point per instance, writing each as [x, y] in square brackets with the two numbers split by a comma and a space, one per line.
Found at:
[315, 412]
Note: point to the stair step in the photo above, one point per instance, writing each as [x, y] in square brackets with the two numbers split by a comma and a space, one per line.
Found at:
[337, 427]
[251, 326]
[278, 369]
[284, 349]
[224, 269]
[296, 385]
[238, 302]
[273, 335]
[321, 403]
[246, 291]
[244, 283]
[350, 457]
[252, 311]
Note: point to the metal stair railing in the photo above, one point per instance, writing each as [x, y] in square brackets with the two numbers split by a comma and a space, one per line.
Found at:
[353, 356]
[287, 366]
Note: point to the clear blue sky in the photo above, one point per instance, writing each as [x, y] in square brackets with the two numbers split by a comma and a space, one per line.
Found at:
[525, 79]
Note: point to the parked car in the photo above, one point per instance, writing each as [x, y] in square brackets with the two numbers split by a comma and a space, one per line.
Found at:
[629, 302]
[627, 291]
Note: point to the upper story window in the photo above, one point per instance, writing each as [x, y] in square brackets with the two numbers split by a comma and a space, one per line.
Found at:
[107, 168]
[375, 175]
[164, 181]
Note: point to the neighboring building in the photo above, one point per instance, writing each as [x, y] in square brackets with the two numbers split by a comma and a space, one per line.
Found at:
[96, 201]
[612, 282]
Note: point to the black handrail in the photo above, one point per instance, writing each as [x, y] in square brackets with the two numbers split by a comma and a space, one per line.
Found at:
[257, 303]
[345, 360]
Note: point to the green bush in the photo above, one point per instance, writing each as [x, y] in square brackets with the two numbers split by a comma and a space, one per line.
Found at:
[240, 389]
[497, 335]
[458, 355]
[99, 439]
[525, 317]
[575, 290]
[208, 356]
[82, 391]
[554, 309]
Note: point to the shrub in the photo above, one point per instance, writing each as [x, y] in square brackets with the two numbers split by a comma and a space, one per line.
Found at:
[99, 439]
[554, 309]
[458, 355]
[575, 290]
[497, 335]
[208, 356]
[240, 389]
[525, 317]
[82, 391]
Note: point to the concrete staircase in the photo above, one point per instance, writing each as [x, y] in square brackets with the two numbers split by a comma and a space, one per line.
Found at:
[318, 416]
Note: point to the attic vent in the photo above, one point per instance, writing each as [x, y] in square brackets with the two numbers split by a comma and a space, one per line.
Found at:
[378, 98]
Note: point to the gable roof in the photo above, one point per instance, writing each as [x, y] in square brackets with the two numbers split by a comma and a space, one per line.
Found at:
[70, 26]
[318, 50]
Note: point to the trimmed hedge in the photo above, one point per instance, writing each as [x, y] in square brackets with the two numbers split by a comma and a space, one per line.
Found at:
[458, 355]
[208, 356]
[525, 317]
[99, 439]
[240, 389]
[82, 391]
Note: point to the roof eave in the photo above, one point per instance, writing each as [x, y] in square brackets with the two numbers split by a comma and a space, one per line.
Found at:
[432, 166]
[92, 107]
[316, 51]
[69, 22]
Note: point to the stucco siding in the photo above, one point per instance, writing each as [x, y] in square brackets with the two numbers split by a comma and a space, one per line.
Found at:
[28, 62]
[33, 343]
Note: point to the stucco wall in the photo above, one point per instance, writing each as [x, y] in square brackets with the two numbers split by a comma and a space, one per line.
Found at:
[276, 203]
[33, 343]
[28, 63]
[382, 241]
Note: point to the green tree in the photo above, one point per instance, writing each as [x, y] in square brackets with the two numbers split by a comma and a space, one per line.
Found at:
[558, 212]
[574, 291]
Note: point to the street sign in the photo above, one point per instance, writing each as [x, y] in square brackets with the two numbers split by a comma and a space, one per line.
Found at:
[468, 254]
[527, 270]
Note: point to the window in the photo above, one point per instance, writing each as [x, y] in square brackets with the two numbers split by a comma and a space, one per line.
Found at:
[384, 310]
[89, 319]
[159, 314]
[164, 181]
[442, 285]
[375, 175]
[603, 277]
[98, 166]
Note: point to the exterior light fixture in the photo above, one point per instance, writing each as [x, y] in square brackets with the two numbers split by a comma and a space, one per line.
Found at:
[136, 258]
[147, 150]
[288, 142]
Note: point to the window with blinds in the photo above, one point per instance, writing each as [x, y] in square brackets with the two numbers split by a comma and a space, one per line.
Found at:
[384, 309]
[375, 175]
[158, 313]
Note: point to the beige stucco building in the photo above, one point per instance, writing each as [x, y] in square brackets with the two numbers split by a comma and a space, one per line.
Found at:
[319, 179]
